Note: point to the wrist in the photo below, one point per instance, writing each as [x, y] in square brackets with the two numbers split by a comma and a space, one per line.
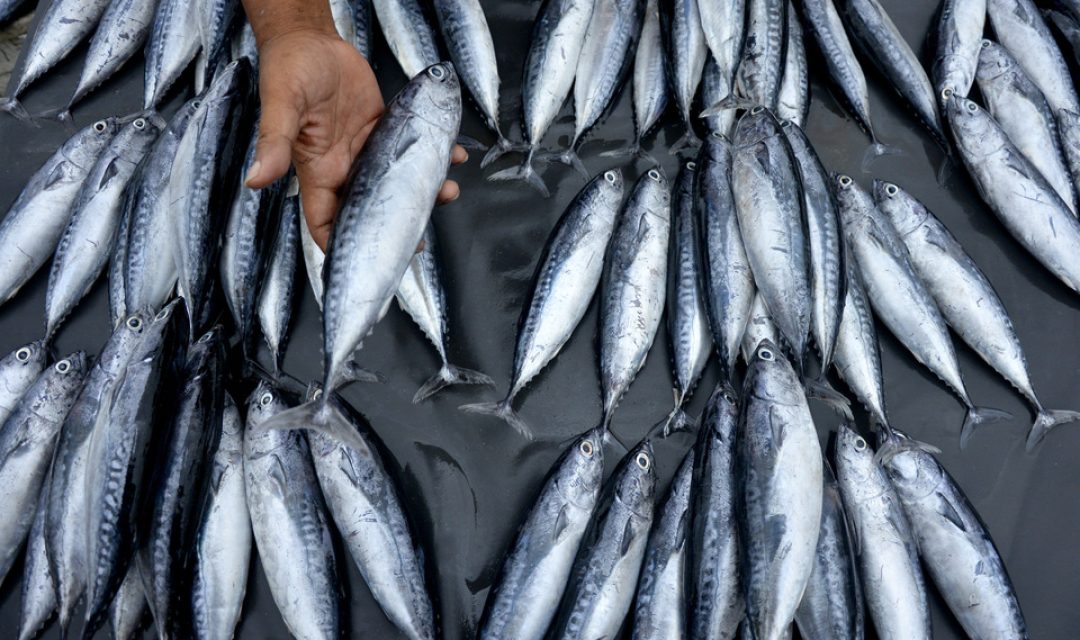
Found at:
[273, 20]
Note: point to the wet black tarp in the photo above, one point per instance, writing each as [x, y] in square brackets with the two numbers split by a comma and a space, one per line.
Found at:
[468, 480]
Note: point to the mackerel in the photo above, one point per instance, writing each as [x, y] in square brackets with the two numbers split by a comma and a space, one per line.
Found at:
[724, 26]
[408, 33]
[793, 101]
[650, 81]
[121, 33]
[38, 598]
[857, 356]
[217, 20]
[1020, 28]
[823, 23]
[761, 68]
[959, 36]
[277, 296]
[686, 54]
[173, 43]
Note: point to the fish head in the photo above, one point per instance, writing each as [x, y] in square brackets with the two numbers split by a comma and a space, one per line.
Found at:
[264, 403]
[722, 412]
[771, 377]
[635, 481]
[66, 375]
[611, 182]
[435, 95]
[914, 472]
[994, 61]
[855, 464]
[653, 188]
[86, 146]
[903, 210]
[582, 469]
[975, 132]
[30, 357]
[755, 125]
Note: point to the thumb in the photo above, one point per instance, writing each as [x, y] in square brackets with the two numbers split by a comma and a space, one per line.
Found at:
[279, 127]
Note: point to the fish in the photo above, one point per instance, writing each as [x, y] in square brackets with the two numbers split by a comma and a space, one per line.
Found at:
[61, 25]
[27, 441]
[728, 280]
[33, 225]
[857, 356]
[793, 101]
[217, 21]
[411, 38]
[421, 295]
[550, 66]
[769, 205]
[686, 54]
[174, 42]
[660, 602]
[885, 547]
[778, 499]
[245, 247]
[566, 279]
[168, 533]
[277, 295]
[956, 548]
[116, 467]
[290, 522]
[760, 72]
[602, 582]
[959, 37]
[827, 30]
[206, 171]
[1020, 28]
[880, 40]
[759, 328]
[827, 270]
[535, 573]
[650, 81]
[384, 213]
[1068, 127]
[223, 544]
[18, 371]
[724, 26]
[832, 606]
[633, 288]
[687, 319]
[1021, 110]
[965, 296]
[715, 600]
[901, 299]
[128, 609]
[87, 242]
[150, 258]
[66, 519]
[715, 87]
[38, 598]
[1016, 191]
[367, 510]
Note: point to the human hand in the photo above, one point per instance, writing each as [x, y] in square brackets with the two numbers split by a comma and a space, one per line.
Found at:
[320, 101]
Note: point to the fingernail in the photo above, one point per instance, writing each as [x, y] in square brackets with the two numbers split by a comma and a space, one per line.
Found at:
[466, 158]
[253, 172]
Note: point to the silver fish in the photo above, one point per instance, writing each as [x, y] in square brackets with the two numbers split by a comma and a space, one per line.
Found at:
[32, 227]
[759, 328]
[290, 522]
[173, 43]
[724, 26]
[715, 87]
[121, 34]
[1020, 28]
[956, 548]
[567, 275]
[793, 101]
[779, 500]
[217, 20]
[87, 242]
[884, 544]
[634, 287]
[537, 568]
[650, 82]
[762, 65]
[857, 356]
[277, 294]
[422, 296]
[686, 54]
[128, 609]
[729, 282]
[38, 601]
[18, 371]
[826, 29]
[959, 34]
[408, 33]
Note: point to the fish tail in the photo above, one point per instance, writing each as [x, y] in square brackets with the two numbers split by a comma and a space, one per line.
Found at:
[1047, 420]
[878, 149]
[501, 147]
[677, 420]
[524, 172]
[450, 375]
[689, 140]
[15, 108]
[569, 158]
[978, 416]
[503, 410]
[470, 142]
[822, 390]
[317, 415]
[634, 149]
[355, 373]
[728, 103]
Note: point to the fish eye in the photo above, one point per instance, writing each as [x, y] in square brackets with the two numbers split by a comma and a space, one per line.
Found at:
[891, 189]
[266, 398]
[729, 396]
[316, 394]
[139, 124]
[100, 126]
[206, 337]
[437, 72]
[860, 444]
[946, 93]
[985, 44]
[844, 181]
[691, 165]
[196, 103]
[972, 107]
[643, 461]
[717, 135]
[756, 110]
[63, 366]
[654, 174]
[610, 176]
[766, 355]
[164, 313]
[786, 124]
[23, 355]
[134, 323]
[586, 448]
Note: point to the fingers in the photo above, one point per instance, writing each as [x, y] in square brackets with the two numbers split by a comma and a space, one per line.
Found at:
[278, 129]
[458, 154]
[449, 192]
[320, 207]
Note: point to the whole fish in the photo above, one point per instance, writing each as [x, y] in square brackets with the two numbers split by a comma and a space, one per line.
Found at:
[965, 297]
[765, 182]
[793, 101]
[534, 575]
[724, 26]
[550, 67]
[1024, 115]
[290, 522]
[716, 603]
[1068, 126]
[1016, 191]
[150, 258]
[408, 33]
[18, 371]
[759, 328]
[606, 570]
[959, 34]
[660, 602]
[168, 533]
[884, 544]
[173, 43]
[569, 270]
[686, 54]
[205, 172]
[715, 87]
[779, 502]
[368, 512]
[832, 606]
[761, 68]
[277, 295]
[87, 242]
[634, 287]
[421, 295]
[688, 321]
[217, 21]
[826, 29]
[650, 81]
[27, 441]
[877, 36]
[60, 26]
[117, 456]
[900, 298]
[119, 36]
[67, 510]
[956, 548]
[858, 354]
[728, 280]
[38, 599]
[1020, 28]
[827, 269]
[33, 225]
[128, 609]
[223, 545]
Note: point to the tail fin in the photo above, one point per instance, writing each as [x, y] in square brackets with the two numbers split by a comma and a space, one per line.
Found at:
[634, 149]
[732, 101]
[878, 149]
[450, 375]
[523, 172]
[569, 158]
[689, 140]
[1047, 420]
[677, 420]
[470, 142]
[977, 416]
[501, 147]
[317, 415]
[355, 373]
[822, 390]
[946, 169]
[504, 411]
[15, 108]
